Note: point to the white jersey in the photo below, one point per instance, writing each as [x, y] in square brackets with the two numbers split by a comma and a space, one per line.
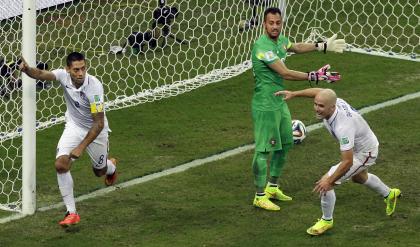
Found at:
[83, 101]
[350, 129]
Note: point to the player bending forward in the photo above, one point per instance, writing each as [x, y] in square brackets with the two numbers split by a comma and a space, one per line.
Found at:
[359, 150]
[86, 127]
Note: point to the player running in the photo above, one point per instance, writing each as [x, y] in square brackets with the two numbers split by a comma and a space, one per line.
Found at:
[86, 127]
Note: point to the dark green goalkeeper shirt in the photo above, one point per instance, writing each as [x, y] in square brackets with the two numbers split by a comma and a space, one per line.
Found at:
[264, 52]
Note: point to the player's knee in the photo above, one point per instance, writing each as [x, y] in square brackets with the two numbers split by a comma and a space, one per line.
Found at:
[360, 178]
[260, 162]
[62, 165]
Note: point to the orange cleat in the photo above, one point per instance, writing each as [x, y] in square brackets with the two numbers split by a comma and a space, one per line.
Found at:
[70, 219]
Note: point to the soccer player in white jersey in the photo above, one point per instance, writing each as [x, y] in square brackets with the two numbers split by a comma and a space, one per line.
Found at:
[359, 150]
[86, 127]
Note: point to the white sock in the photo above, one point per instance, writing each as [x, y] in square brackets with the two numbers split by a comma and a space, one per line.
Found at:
[110, 167]
[65, 184]
[327, 205]
[377, 185]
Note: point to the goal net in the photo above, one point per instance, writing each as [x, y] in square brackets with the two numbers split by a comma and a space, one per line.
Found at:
[177, 47]
[375, 26]
[144, 52]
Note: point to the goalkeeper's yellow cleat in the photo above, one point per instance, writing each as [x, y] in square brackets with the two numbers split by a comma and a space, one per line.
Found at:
[391, 201]
[265, 203]
[276, 194]
[320, 227]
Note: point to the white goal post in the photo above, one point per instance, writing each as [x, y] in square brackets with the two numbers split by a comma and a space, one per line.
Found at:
[143, 52]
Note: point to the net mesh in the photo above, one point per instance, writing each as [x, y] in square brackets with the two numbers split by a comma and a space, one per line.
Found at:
[143, 52]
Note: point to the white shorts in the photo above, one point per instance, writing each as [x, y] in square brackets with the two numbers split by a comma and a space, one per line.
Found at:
[361, 161]
[73, 135]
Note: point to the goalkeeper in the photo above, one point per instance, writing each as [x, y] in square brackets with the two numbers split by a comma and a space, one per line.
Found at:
[270, 114]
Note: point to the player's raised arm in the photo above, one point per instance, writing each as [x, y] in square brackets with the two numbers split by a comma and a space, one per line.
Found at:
[332, 44]
[36, 73]
[309, 93]
[323, 74]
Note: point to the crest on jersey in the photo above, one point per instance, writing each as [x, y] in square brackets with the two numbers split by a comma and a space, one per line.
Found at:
[83, 95]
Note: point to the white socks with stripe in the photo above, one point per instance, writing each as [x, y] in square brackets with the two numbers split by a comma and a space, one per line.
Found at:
[327, 205]
[377, 185]
[110, 167]
[65, 184]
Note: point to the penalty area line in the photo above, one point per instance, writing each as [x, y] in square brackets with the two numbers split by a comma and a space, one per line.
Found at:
[199, 162]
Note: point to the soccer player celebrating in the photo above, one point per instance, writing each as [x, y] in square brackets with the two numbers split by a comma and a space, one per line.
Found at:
[86, 127]
[359, 150]
[270, 114]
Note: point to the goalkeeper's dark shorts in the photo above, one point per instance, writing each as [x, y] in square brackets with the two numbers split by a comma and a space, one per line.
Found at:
[272, 129]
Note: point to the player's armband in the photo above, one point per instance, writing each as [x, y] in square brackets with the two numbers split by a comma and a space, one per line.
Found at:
[97, 105]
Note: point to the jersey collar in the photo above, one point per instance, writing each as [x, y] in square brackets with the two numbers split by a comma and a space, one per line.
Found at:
[85, 83]
[333, 116]
[269, 39]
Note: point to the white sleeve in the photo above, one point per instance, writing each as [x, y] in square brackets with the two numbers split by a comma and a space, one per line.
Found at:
[96, 96]
[345, 137]
[60, 75]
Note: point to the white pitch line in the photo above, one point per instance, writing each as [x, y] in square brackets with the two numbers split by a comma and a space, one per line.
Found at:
[199, 162]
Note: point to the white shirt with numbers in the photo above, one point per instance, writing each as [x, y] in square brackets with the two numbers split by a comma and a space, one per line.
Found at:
[83, 101]
[350, 129]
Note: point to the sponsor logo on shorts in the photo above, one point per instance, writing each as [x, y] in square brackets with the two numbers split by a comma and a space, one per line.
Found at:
[273, 142]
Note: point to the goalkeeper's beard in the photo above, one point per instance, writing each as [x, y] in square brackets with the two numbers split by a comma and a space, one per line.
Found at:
[273, 36]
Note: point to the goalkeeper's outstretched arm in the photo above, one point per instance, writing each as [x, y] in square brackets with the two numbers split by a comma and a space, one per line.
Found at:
[332, 44]
[288, 74]
[323, 74]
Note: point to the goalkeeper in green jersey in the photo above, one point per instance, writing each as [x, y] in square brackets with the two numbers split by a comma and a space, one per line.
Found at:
[270, 114]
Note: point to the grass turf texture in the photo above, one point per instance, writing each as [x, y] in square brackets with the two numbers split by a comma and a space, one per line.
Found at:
[211, 205]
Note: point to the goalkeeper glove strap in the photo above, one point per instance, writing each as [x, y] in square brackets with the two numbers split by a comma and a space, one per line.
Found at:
[321, 46]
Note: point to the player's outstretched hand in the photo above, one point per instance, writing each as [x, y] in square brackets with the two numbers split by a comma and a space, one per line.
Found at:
[332, 44]
[336, 45]
[23, 66]
[324, 75]
[286, 94]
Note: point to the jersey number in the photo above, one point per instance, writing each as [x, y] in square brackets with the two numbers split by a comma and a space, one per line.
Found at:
[101, 159]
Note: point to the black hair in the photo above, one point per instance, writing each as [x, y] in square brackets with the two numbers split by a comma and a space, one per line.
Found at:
[74, 56]
[271, 10]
